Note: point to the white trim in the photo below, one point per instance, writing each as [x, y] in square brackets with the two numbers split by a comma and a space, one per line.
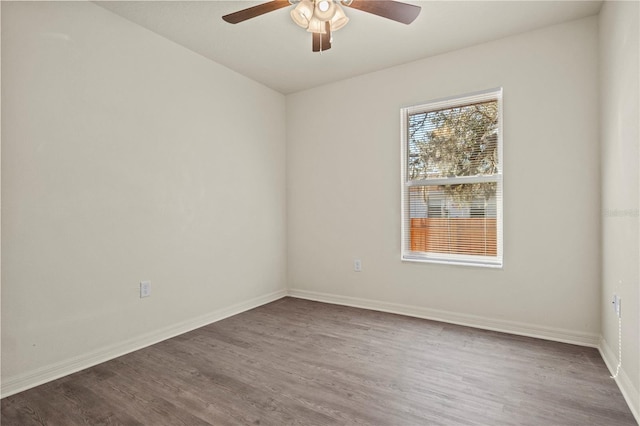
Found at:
[455, 101]
[458, 180]
[512, 327]
[630, 394]
[404, 200]
[499, 200]
[452, 259]
[21, 382]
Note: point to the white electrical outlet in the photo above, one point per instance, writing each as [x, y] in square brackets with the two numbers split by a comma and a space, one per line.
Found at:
[357, 265]
[617, 305]
[145, 289]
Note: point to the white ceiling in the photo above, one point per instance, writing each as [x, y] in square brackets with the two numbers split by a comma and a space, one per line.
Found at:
[271, 49]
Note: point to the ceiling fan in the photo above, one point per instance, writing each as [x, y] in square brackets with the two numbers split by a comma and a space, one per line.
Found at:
[321, 17]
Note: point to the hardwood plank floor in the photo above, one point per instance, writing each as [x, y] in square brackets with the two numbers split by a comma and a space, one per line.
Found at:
[297, 362]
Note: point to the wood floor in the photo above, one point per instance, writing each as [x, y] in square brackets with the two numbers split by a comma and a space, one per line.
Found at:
[296, 362]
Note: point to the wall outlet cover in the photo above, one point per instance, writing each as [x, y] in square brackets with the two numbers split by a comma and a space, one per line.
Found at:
[145, 289]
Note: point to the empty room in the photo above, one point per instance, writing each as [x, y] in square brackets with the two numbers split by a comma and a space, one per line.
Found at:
[320, 212]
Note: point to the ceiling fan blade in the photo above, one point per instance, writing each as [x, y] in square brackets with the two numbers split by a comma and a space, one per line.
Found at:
[394, 10]
[321, 42]
[252, 12]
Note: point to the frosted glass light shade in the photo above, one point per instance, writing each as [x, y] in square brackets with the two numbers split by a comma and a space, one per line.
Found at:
[317, 26]
[302, 13]
[339, 19]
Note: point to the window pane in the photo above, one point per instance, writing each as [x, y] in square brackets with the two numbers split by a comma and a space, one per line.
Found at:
[453, 219]
[460, 141]
[452, 180]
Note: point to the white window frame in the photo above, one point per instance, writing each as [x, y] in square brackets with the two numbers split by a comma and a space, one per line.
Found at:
[457, 259]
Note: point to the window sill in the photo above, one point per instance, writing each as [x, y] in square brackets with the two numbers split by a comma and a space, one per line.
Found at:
[454, 262]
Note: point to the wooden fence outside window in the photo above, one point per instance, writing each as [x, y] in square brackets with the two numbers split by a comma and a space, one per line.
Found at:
[470, 236]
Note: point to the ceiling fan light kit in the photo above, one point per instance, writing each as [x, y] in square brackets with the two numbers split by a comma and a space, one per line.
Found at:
[302, 13]
[322, 17]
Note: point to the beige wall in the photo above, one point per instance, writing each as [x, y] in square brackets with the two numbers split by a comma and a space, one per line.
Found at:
[343, 195]
[620, 135]
[125, 158]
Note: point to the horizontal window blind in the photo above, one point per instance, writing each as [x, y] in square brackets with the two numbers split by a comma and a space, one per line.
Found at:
[452, 180]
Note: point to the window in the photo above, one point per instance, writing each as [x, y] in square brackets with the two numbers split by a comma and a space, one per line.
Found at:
[452, 180]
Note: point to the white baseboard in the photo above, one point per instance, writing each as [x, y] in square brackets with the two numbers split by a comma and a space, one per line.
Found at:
[630, 393]
[512, 327]
[19, 383]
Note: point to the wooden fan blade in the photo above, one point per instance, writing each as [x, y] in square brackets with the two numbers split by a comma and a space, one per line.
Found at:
[252, 12]
[321, 42]
[394, 10]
